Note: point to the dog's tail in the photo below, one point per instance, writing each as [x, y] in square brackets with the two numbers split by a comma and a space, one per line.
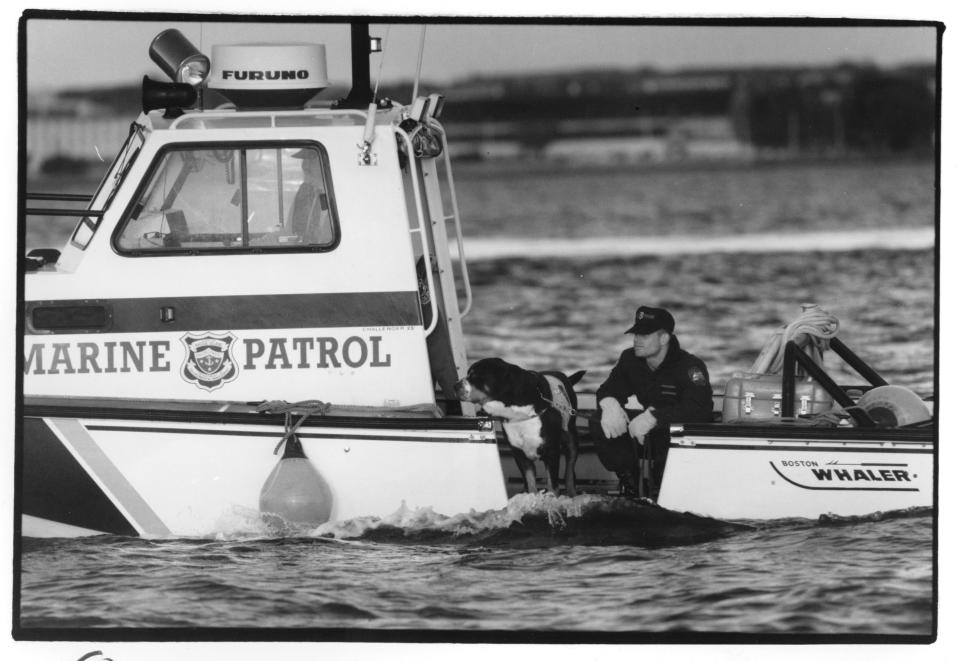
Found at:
[575, 377]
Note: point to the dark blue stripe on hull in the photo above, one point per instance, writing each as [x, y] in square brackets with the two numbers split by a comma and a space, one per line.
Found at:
[301, 433]
[821, 447]
[774, 432]
[57, 488]
[204, 414]
[201, 313]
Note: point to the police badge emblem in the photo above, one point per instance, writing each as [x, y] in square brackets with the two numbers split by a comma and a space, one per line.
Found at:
[208, 362]
[697, 377]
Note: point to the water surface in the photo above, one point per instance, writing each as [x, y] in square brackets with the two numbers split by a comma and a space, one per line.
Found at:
[587, 566]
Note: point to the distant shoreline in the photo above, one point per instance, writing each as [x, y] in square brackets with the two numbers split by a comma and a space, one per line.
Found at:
[692, 165]
[546, 165]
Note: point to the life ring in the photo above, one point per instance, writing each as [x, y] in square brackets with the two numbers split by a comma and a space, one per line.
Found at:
[894, 406]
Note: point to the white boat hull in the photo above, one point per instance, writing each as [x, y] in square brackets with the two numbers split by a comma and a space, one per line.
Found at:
[198, 472]
[190, 478]
[771, 473]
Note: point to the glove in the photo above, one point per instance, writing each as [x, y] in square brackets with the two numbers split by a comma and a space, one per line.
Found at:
[642, 424]
[613, 419]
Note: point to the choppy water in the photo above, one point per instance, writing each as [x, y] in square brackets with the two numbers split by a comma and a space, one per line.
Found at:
[587, 565]
[570, 313]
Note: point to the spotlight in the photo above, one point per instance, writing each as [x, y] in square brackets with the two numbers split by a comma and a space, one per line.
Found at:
[179, 59]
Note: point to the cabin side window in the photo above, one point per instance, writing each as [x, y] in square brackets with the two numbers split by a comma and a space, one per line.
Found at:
[242, 198]
[88, 225]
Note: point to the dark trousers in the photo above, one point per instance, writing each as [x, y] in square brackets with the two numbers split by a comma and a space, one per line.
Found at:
[621, 454]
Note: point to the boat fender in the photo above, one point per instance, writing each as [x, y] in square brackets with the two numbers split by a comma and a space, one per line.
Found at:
[894, 406]
[295, 490]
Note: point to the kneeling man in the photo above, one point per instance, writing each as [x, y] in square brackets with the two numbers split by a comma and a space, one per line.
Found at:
[671, 385]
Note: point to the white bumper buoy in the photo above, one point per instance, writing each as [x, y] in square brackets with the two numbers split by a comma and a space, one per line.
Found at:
[894, 406]
[295, 490]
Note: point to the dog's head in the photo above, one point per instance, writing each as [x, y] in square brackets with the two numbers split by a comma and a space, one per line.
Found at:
[494, 379]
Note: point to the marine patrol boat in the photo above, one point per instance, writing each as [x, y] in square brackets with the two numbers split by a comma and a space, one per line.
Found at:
[260, 313]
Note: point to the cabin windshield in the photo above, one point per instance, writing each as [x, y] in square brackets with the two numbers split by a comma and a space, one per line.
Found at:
[204, 199]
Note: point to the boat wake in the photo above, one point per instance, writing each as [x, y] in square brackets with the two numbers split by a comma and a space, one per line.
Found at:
[528, 520]
[912, 238]
[534, 520]
[835, 520]
[907, 513]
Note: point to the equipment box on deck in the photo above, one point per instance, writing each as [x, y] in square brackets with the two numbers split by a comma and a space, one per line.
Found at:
[760, 398]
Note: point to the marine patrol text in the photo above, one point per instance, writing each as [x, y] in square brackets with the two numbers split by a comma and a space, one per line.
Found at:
[283, 353]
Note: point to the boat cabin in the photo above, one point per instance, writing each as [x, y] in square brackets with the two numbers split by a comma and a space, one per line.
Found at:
[259, 250]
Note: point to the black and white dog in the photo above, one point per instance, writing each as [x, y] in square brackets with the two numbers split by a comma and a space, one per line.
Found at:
[537, 412]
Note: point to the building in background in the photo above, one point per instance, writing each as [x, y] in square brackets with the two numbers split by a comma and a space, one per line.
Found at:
[606, 116]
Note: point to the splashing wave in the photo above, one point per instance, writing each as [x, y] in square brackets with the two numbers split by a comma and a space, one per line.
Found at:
[528, 520]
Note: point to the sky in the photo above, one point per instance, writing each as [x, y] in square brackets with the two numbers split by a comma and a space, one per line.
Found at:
[70, 53]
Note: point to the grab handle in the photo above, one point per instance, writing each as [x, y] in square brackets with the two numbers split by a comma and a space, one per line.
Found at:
[455, 216]
[421, 228]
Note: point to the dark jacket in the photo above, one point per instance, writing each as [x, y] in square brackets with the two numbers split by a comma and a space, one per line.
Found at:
[679, 389]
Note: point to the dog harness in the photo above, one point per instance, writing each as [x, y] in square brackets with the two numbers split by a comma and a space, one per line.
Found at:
[558, 399]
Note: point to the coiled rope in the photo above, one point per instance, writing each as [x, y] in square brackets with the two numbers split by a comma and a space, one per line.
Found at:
[811, 331]
[308, 407]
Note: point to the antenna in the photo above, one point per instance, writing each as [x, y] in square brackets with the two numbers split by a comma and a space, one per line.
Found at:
[383, 56]
[416, 80]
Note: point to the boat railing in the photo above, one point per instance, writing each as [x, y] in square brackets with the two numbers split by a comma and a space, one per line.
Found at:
[57, 211]
[231, 118]
[794, 356]
[421, 227]
[37, 258]
[454, 215]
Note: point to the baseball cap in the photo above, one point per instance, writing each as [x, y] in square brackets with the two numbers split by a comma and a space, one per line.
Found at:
[650, 319]
[306, 152]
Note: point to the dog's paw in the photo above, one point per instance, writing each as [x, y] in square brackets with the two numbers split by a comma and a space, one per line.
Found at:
[512, 413]
[494, 407]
